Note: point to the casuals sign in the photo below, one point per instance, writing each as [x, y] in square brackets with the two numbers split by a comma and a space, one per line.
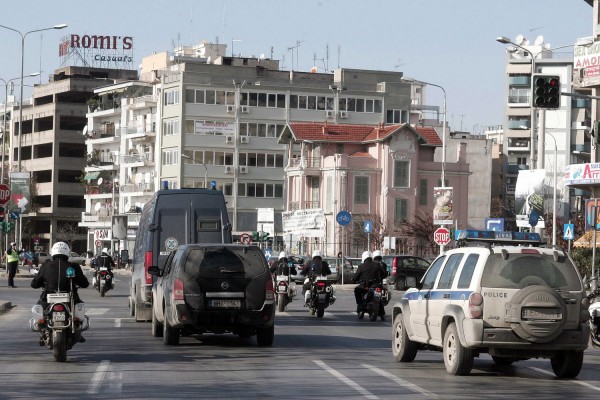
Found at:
[309, 222]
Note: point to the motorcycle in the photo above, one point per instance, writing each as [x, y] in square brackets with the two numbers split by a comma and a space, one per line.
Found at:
[62, 322]
[594, 320]
[320, 296]
[102, 280]
[285, 289]
[376, 297]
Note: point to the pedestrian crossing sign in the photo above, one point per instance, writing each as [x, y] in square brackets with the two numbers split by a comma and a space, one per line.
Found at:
[569, 233]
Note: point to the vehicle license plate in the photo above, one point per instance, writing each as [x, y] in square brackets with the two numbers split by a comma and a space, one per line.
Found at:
[322, 296]
[541, 313]
[58, 316]
[223, 303]
[58, 297]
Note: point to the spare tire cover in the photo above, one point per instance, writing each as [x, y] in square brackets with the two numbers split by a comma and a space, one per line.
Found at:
[540, 328]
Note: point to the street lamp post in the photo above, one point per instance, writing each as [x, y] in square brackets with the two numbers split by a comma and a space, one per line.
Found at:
[205, 169]
[6, 83]
[554, 190]
[443, 134]
[23, 36]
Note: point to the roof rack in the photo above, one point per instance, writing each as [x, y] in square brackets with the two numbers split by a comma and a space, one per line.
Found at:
[507, 238]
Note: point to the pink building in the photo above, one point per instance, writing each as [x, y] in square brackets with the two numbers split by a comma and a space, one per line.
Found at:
[381, 173]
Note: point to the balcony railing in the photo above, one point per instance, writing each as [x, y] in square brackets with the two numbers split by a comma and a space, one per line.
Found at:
[137, 187]
[297, 205]
[306, 162]
[135, 158]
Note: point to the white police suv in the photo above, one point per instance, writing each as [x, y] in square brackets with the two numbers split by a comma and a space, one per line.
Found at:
[498, 293]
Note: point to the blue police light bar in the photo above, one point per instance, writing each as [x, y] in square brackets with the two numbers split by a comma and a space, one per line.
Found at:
[497, 236]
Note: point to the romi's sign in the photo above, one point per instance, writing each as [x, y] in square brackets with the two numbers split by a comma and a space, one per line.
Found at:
[97, 50]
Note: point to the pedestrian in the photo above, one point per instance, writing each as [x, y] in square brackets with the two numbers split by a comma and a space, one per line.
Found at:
[12, 262]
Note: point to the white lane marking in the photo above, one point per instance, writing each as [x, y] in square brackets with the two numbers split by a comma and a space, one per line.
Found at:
[582, 383]
[346, 380]
[118, 323]
[98, 377]
[400, 381]
[96, 311]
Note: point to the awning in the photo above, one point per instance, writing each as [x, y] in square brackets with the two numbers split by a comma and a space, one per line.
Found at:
[587, 240]
[91, 175]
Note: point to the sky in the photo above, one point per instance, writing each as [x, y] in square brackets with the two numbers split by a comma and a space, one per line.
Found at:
[449, 43]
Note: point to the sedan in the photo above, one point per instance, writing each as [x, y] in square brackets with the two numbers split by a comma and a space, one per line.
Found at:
[78, 259]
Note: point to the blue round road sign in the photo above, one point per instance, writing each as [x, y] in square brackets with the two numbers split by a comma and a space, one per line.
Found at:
[343, 218]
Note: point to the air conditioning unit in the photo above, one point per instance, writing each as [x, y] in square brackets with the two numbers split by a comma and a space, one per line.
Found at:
[329, 113]
[228, 169]
[244, 139]
[243, 170]
[245, 110]
[343, 114]
[230, 109]
[229, 139]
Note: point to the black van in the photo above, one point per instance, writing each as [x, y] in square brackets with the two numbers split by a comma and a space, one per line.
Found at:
[170, 219]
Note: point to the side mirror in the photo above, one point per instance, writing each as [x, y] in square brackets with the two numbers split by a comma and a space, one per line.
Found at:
[154, 270]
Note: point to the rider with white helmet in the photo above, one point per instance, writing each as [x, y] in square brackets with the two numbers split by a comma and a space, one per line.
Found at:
[313, 268]
[369, 273]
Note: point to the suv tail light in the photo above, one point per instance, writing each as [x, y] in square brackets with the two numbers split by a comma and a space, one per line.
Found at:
[584, 310]
[394, 266]
[148, 263]
[475, 302]
[269, 291]
[178, 289]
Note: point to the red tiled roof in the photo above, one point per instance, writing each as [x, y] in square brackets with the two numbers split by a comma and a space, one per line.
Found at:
[325, 132]
[360, 154]
[429, 134]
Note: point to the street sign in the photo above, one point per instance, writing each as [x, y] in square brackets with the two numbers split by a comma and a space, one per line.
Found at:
[245, 238]
[4, 193]
[569, 233]
[494, 224]
[14, 214]
[368, 226]
[343, 218]
[441, 236]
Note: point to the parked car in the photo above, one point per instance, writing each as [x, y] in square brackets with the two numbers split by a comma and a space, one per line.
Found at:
[43, 257]
[169, 219]
[76, 258]
[336, 271]
[214, 288]
[403, 266]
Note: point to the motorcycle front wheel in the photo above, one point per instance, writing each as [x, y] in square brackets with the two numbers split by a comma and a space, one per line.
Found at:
[59, 346]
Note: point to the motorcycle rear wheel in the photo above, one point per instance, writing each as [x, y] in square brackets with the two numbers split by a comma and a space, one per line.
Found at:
[281, 300]
[59, 346]
[361, 314]
[320, 311]
[102, 291]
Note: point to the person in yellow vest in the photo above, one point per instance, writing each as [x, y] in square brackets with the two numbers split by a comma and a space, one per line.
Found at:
[12, 261]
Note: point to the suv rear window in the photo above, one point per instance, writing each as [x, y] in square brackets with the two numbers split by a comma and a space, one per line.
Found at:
[211, 262]
[520, 270]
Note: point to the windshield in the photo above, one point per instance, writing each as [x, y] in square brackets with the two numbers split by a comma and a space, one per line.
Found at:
[521, 270]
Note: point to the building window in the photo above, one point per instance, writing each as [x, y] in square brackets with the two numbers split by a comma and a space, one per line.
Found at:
[171, 97]
[396, 116]
[401, 173]
[401, 210]
[423, 192]
[171, 127]
[361, 190]
[170, 157]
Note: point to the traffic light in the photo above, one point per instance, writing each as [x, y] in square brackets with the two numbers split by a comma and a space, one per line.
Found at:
[255, 236]
[545, 91]
[10, 226]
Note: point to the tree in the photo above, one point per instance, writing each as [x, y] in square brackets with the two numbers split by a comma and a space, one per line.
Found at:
[418, 234]
[67, 232]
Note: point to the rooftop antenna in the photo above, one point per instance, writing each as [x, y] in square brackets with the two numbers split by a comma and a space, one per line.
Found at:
[327, 57]
[535, 29]
[298, 42]
[400, 63]
[272, 52]
[339, 51]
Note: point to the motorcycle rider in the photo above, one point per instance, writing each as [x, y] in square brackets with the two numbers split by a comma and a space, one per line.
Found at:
[53, 276]
[105, 260]
[369, 273]
[282, 266]
[313, 268]
[377, 257]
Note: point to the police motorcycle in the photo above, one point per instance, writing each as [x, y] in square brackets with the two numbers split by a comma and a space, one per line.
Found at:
[319, 296]
[62, 322]
[375, 297]
[101, 281]
[594, 320]
[285, 287]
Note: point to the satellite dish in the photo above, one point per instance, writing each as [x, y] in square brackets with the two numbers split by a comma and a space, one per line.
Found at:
[526, 42]
[520, 39]
[84, 130]
[547, 46]
[99, 181]
[97, 207]
[539, 40]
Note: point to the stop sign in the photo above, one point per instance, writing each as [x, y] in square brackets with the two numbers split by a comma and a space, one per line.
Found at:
[4, 193]
[441, 236]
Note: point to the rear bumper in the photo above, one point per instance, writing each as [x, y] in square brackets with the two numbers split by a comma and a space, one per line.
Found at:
[506, 338]
[229, 320]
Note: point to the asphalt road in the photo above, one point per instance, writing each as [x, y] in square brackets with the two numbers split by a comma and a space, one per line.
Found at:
[335, 357]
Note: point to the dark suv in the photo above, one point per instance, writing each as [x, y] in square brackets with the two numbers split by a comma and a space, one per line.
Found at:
[403, 266]
[216, 288]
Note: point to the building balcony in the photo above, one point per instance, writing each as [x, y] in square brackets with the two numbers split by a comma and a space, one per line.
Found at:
[510, 189]
[515, 168]
[302, 205]
[137, 188]
[518, 146]
[308, 165]
[137, 160]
